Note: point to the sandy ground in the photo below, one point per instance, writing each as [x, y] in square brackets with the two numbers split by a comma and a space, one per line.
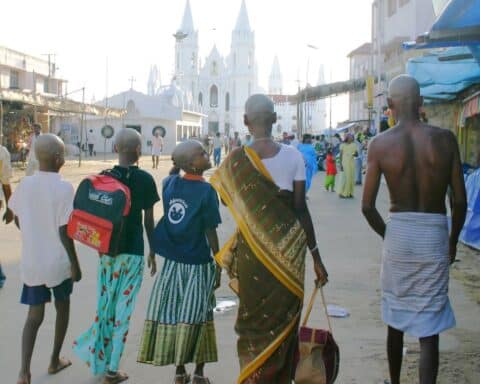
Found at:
[352, 253]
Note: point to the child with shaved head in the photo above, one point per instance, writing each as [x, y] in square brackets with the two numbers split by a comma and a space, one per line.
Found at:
[120, 276]
[179, 327]
[42, 204]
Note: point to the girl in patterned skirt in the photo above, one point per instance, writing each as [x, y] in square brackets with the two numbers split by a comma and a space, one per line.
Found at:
[179, 327]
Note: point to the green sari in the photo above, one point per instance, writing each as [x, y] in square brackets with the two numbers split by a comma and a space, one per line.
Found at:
[266, 260]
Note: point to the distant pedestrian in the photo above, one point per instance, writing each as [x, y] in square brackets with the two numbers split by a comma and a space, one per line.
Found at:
[235, 141]
[91, 143]
[348, 151]
[32, 162]
[331, 171]
[120, 276]
[5, 176]
[157, 148]
[179, 328]
[310, 158]
[217, 149]
[42, 204]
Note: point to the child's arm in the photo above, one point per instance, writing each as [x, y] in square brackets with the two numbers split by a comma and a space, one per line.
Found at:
[72, 254]
[149, 223]
[213, 242]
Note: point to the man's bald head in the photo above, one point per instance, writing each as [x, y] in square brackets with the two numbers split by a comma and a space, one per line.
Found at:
[259, 112]
[128, 140]
[184, 153]
[48, 146]
[404, 94]
[50, 152]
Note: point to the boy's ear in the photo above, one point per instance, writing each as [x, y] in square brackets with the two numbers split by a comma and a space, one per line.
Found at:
[245, 120]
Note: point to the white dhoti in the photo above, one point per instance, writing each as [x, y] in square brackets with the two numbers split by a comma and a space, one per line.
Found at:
[415, 274]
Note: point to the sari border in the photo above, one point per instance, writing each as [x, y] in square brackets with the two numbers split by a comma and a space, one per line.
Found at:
[251, 367]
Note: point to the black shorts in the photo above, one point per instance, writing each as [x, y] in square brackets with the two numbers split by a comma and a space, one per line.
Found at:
[41, 294]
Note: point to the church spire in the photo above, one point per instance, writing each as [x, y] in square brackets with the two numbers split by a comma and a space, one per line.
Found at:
[275, 80]
[187, 21]
[243, 23]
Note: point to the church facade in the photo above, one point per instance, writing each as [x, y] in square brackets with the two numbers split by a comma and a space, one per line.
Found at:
[220, 85]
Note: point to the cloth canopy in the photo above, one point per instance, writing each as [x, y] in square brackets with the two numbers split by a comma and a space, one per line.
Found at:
[442, 74]
[457, 25]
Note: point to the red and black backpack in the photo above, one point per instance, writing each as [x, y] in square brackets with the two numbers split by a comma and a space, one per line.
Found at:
[100, 208]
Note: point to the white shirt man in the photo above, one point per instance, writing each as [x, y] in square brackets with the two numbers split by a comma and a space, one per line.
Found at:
[43, 203]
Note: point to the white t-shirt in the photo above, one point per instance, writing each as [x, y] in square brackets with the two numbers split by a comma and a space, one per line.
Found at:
[157, 143]
[5, 166]
[43, 203]
[286, 167]
[217, 142]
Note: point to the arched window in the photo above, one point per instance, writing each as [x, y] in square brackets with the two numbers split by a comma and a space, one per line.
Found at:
[227, 102]
[213, 96]
[200, 99]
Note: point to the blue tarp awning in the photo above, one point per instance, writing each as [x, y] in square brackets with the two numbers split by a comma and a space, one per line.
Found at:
[457, 25]
[443, 73]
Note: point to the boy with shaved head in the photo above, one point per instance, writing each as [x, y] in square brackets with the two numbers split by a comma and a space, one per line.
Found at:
[120, 276]
[419, 162]
[42, 204]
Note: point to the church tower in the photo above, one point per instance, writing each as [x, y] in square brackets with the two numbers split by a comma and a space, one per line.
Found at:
[186, 55]
[275, 82]
[242, 65]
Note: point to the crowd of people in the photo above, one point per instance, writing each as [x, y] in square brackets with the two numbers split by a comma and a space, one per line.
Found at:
[264, 258]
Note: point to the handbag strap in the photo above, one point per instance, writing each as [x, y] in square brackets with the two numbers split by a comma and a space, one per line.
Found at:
[310, 306]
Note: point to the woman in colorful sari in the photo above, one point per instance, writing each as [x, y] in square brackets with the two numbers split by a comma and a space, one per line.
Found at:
[264, 187]
[348, 152]
[310, 157]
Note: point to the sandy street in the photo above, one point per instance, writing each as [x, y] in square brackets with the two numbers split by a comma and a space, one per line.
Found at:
[352, 254]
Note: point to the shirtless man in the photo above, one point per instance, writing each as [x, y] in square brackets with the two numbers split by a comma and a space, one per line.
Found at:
[419, 162]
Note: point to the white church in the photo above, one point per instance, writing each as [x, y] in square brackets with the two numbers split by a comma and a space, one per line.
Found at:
[218, 86]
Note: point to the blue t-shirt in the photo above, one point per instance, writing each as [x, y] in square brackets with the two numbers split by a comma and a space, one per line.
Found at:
[190, 209]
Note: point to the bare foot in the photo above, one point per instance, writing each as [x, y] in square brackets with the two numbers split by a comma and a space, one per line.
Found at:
[114, 379]
[24, 379]
[59, 366]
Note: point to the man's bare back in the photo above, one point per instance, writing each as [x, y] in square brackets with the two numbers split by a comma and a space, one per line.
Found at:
[417, 161]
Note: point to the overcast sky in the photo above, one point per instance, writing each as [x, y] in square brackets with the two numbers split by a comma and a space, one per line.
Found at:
[136, 34]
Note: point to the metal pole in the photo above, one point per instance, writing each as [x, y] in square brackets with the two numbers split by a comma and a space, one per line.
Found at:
[81, 127]
[1, 122]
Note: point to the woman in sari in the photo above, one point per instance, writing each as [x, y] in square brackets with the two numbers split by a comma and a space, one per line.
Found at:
[310, 157]
[264, 187]
[348, 152]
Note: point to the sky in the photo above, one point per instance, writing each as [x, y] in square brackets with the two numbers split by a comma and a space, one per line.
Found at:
[132, 35]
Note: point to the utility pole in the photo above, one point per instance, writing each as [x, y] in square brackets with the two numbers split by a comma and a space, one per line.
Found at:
[49, 55]
[82, 123]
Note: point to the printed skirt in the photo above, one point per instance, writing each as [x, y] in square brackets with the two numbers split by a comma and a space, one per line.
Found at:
[179, 328]
[119, 280]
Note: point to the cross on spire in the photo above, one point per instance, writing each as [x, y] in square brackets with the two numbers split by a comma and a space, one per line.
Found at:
[132, 80]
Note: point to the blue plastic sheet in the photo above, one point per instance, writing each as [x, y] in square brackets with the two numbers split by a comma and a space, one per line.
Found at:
[470, 234]
[441, 76]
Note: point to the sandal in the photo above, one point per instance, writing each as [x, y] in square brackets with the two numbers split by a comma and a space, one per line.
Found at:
[184, 377]
[197, 379]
